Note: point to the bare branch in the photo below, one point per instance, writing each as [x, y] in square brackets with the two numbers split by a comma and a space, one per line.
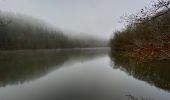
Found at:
[148, 13]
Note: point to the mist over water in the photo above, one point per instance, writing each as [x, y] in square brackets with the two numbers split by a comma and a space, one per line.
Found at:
[79, 75]
[64, 50]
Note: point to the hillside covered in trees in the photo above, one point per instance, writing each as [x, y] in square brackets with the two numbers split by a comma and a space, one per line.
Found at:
[23, 32]
[147, 34]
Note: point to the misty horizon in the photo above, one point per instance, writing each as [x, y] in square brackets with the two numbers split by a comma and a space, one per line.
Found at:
[94, 18]
[84, 49]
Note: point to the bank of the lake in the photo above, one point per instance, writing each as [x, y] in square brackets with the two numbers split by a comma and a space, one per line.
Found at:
[147, 40]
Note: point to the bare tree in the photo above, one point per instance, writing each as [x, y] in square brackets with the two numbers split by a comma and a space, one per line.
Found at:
[148, 13]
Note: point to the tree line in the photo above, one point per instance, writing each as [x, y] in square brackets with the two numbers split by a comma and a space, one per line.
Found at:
[147, 33]
[23, 32]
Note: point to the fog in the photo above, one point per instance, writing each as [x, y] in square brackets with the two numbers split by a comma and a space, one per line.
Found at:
[93, 17]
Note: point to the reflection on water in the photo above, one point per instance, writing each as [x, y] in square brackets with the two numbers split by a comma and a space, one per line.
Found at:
[77, 74]
[156, 73]
[20, 66]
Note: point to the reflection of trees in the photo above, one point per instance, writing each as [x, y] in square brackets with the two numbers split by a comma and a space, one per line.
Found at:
[20, 66]
[131, 97]
[156, 73]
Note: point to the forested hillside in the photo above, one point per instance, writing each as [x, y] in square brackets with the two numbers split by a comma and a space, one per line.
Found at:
[147, 34]
[23, 32]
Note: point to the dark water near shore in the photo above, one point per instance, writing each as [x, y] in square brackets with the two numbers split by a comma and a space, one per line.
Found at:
[89, 74]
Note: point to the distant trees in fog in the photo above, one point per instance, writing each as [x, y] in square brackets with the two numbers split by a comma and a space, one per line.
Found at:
[23, 32]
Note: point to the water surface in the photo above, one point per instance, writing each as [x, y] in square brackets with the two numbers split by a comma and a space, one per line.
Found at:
[89, 74]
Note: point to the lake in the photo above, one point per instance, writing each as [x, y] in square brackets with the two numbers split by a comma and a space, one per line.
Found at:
[80, 74]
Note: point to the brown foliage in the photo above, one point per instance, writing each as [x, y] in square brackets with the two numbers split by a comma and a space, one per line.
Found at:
[151, 51]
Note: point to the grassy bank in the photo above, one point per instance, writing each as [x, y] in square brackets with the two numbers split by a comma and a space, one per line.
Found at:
[145, 41]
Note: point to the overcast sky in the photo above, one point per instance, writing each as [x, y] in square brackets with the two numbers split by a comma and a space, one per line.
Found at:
[97, 17]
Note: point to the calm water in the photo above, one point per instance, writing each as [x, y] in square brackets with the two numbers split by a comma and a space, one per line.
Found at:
[89, 74]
